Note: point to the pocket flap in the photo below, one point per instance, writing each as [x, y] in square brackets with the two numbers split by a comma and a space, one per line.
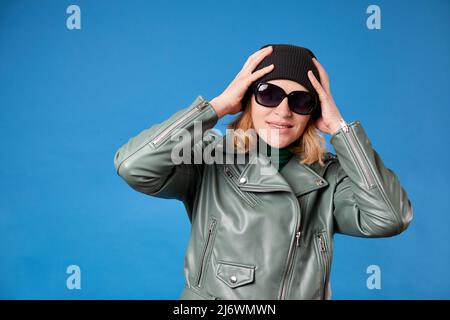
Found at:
[235, 274]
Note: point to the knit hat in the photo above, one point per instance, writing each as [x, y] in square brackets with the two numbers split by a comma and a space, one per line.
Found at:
[290, 62]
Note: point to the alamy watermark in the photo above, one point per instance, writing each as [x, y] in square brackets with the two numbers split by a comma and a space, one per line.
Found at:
[74, 20]
[73, 281]
[374, 20]
[374, 280]
[233, 143]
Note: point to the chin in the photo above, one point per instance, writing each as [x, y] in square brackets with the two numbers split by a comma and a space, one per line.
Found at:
[285, 136]
[283, 142]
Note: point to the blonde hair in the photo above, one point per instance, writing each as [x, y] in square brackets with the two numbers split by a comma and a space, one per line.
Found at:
[310, 146]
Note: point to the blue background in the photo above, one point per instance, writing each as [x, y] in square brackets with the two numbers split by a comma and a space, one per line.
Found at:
[70, 98]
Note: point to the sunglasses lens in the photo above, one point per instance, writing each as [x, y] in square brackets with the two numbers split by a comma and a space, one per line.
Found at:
[302, 102]
[268, 95]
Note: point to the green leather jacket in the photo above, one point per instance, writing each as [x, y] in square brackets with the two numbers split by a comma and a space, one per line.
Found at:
[265, 236]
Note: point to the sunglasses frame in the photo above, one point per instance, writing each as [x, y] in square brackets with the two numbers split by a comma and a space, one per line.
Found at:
[256, 88]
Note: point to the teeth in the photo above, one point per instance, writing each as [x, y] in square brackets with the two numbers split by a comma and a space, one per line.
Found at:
[280, 127]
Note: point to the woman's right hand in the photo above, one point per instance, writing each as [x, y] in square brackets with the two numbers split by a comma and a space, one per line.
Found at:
[229, 101]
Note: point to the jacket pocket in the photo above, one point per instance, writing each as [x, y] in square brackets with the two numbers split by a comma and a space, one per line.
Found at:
[323, 257]
[235, 274]
[231, 176]
[206, 250]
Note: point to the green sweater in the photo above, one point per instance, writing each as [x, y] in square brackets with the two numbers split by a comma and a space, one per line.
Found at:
[284, 155]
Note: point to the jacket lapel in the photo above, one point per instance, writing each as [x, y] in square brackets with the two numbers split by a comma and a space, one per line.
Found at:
[260, 175]
[302, 178]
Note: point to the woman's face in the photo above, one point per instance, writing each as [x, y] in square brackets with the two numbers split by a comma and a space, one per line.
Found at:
[265, 119]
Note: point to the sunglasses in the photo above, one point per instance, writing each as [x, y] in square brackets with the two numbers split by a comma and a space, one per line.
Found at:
[270, 95]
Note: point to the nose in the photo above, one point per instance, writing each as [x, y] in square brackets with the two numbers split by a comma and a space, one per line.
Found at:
[283, 109]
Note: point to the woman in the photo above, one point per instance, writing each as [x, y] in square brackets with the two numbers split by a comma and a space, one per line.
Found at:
[262, 228]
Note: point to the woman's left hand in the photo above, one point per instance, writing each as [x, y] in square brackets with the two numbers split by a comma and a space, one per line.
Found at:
[329, 120]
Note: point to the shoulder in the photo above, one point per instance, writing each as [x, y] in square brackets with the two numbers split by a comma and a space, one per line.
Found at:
[329, 162]
[329, 157]
[335, 170]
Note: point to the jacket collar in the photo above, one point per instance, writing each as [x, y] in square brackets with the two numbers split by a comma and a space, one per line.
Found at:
[260, 175]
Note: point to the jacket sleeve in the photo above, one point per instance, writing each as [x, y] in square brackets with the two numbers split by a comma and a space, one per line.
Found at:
[145, 161]
[368, 199]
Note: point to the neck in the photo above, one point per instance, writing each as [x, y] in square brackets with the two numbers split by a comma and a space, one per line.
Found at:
[284, 154]
[268, 146]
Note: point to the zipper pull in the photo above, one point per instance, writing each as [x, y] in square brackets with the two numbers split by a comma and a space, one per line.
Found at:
[322, 245]
[297, 236]
[344, 125]
[211, 226]
[202, 105]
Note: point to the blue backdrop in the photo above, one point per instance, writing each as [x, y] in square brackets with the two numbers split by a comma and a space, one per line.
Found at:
[70, 98]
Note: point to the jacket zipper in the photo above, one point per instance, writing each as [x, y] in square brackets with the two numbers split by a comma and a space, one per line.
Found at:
[205, 249]
[163, 134]
[370, 180]
[324, 259]
[360, 158]
[231, 173]
[292, 250]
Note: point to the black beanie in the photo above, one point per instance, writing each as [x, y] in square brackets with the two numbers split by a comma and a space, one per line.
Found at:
[290, 62]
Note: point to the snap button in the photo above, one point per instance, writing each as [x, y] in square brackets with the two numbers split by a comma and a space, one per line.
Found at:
[243, 180]
[319, 182]
[233, 279]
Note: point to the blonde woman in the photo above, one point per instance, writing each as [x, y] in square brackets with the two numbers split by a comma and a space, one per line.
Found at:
[262, 228]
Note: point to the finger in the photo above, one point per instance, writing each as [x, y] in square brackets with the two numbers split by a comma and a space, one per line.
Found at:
[258, 74]
[316, 84]
[256, 54]
[252, 62]
[324, 80]
[255, 59]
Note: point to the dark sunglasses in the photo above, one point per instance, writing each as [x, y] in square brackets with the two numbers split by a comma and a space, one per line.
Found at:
[270, 95]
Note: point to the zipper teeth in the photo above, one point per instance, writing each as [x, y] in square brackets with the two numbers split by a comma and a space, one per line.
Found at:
[174, 124]
[323, 252]
[246, 196]
[367, 175]
[208, 239]
[285, 279]
[292, 251]
[291, 263]
[366, 171]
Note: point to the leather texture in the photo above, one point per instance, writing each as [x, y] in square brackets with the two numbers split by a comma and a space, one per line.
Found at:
[264, 236]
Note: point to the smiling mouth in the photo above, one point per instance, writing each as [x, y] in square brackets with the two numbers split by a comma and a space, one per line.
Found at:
[273, 125]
